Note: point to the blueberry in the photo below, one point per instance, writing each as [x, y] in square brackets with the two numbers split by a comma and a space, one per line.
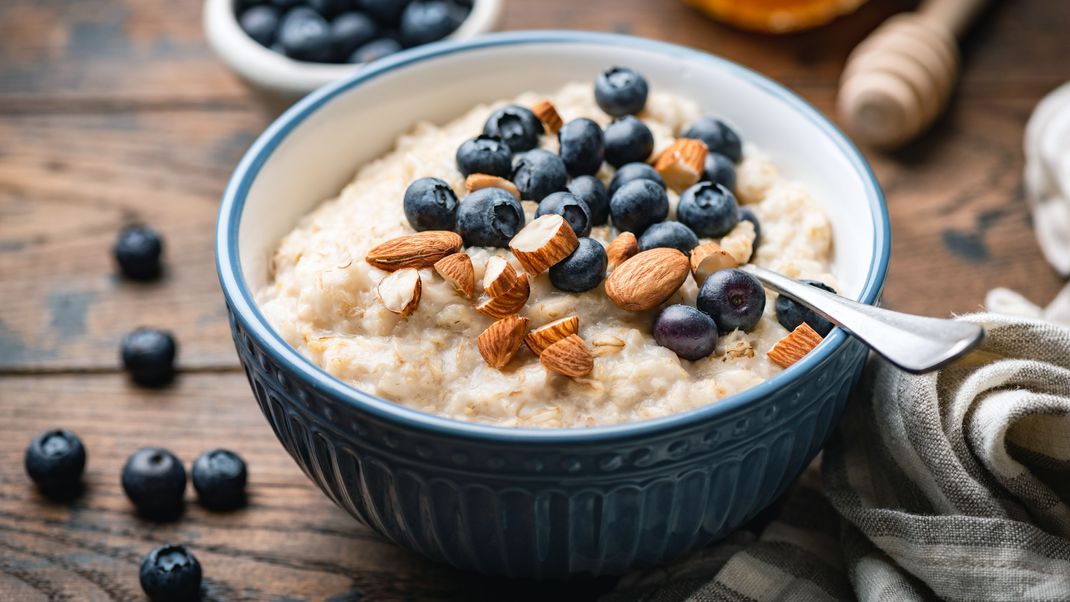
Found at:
[719, 138]
[593, 192]
[155, 482]
[583, 270]
[538, 173]
[282, 4]
[710, 210]
[634, 171]
[637, 205]
[628, 140]
[387, 12]
[425, 21]
[686, 331]
[329, 8]
[569, 206]
[430, 205]
[791, 313]
[55, 461]
[673, 235]
[149, 356]
[582, 147]
[306, 36]
[733, 298]
[517, 126]
[219, 477]
[747, 214]
[620, 91]
[485, 154]
[375, 50]
[350, 31]
[137, 251]
[171, 574]
[260, 23]
[489, 217]
[720, 170]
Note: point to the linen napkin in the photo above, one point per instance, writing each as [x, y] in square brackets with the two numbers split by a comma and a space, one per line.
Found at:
[952, 485]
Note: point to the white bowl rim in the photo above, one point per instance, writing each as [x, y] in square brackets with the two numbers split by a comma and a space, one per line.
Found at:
[256, 325]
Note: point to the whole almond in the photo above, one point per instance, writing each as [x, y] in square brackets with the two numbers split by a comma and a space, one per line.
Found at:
[458, 271]
[501, 340]
[544, 242]
[708, 258]
[400, 291]
[793, 347]
[499, 277]
[547, 114]
[648, 279]
[477, 181]
[569, 356]
[418, 250]
[509, 302]
[623, 248]
[542, 337]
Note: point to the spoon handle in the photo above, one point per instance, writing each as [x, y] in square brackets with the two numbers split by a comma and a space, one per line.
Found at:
[916, 344]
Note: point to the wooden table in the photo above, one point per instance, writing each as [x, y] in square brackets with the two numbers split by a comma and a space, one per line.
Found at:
[113, 111]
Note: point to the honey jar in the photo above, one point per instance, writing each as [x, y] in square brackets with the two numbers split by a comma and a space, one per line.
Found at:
[776, 16]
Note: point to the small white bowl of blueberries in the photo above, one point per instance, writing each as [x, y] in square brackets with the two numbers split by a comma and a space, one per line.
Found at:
[290, 47]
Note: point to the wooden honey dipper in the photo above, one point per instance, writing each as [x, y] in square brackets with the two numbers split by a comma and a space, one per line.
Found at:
[899, 79]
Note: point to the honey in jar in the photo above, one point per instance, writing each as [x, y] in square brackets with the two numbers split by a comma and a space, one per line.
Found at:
[776, 16]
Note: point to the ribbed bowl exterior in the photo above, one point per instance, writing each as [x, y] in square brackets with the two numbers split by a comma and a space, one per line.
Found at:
[553, 510]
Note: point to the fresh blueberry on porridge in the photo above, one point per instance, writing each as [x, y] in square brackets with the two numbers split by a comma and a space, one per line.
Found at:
[550, 300]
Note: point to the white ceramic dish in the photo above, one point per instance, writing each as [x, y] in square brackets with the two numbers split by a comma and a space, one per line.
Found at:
[282, 76]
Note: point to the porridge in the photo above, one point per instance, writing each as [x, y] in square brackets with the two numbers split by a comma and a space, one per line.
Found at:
[537, 335]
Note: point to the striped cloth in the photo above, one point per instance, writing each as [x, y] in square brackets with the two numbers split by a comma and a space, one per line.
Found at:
[953, 485]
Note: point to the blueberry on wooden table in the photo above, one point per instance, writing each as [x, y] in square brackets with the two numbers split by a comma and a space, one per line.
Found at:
[637, 205]
[686, 331]
[375, 50]
[137, 250]
[673, 235]
[539, 173]
[148, 354]
[746, 214]
[719, 169]
[55, 461]
[569, 206]
[171, 573]
[593, 192]
[219, 477]
[306, 36]
[351, 30]
[582, 147]
[709, 209]
[733, 298]
[260, 23]
[634, 171]
[425, 21]
[485, 154]
[430, 204]
[719, 138]
[489, 217]
[516, 126]
[155, 481]
[628, 140]
[583, 270]
[620, 91]
[791, 313]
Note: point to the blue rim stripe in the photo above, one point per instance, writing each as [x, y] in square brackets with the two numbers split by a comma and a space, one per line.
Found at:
[255, 324]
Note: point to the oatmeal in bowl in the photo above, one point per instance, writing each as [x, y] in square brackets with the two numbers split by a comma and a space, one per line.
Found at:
[556, 260]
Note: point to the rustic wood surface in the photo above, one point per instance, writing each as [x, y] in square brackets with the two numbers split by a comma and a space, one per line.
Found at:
[115, 111]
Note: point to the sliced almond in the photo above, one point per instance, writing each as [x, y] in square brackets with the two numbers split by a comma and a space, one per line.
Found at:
[509, 302]
[569, 356]
[400, 291]
[623, 248]
[458, 271]
[682, 163]
[648, 279]
[418, 250]
[708, 258]
[544, 242]
[499, 277]
[477, 181]
[793, 347]
[501, 340]
[547, 114]
[542, 337]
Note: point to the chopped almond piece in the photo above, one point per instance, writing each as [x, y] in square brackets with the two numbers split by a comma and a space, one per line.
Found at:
[458, 271]
[499, 277]
[501, 340]
[793, 347]
[547, 114]
[400, 291]
[708, 258]
[623, 248]
[682, 163]
[509, 302]
[542, 337]
[569, 356]
[544, 242]
[477, 181]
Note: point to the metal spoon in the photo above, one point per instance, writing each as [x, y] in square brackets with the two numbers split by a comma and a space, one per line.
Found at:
[917, 344]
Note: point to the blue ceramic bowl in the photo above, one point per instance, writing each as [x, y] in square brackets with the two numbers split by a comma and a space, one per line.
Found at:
[527, 502]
